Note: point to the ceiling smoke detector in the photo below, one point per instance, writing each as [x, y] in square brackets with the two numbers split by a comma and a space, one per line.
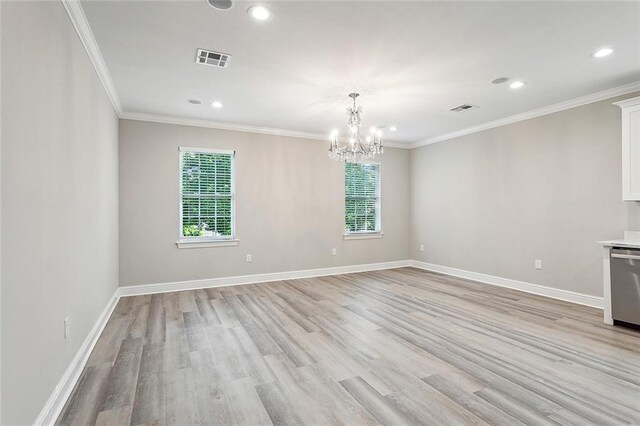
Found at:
[212, 58]
[220, 4]
[462, 107]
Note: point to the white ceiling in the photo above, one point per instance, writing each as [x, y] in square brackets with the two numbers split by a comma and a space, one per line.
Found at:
[411, 61]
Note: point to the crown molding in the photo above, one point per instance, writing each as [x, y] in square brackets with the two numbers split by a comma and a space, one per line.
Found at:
[572, 103]
[165, 119]
[628, 102]
[81, 25]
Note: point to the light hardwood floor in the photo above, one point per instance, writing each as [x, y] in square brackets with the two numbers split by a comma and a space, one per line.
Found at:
[394, 347]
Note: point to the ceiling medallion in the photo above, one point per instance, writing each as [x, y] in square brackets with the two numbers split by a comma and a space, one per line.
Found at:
[359, 148]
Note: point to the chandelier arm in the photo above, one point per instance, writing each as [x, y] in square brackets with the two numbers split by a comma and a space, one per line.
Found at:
[343, 149]
[358, 148]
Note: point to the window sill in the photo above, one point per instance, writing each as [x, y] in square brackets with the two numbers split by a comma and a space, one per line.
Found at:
[190, 244]
[363, 236]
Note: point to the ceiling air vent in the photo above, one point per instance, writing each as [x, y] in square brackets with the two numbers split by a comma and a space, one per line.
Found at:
[214, 59]
[462, 107]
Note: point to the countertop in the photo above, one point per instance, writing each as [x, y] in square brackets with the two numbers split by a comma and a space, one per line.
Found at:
[621, 243]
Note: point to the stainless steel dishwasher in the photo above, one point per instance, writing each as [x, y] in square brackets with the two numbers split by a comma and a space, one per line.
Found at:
[625, 286]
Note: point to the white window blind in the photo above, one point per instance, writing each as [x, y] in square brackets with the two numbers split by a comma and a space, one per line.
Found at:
[206, 194]
[362, 198]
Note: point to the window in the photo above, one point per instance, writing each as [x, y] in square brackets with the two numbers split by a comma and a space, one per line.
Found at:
[206, 195]
[362, 198]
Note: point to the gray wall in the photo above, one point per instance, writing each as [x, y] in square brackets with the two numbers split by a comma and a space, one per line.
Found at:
[59, 201]
[546, 188]
[0, 212]
[490, 202]
[289, 204]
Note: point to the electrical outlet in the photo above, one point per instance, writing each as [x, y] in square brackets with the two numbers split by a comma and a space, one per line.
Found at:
[67, 327]
[421, 247]
[249, 258]
[538, 264]
[334, 252]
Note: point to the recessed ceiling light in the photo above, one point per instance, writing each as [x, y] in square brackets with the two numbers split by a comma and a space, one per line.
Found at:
[601, 53]
[516, 84]
[216, 104]
[195, 101]
[500, 80]
[260, 13]
[393, 128]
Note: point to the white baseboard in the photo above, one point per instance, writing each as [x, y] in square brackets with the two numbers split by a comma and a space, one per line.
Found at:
[554, 293]
[61, 393]
[136, 290]
[65, 386]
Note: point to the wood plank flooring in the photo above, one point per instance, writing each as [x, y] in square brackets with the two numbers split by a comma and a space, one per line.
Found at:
[390, 347]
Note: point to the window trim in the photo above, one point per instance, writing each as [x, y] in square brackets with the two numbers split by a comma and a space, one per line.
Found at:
[364, 235]
[206, 243]
[369, 235]
[201, 242]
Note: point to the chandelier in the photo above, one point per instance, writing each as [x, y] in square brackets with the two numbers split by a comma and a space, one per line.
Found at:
[359, 148]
